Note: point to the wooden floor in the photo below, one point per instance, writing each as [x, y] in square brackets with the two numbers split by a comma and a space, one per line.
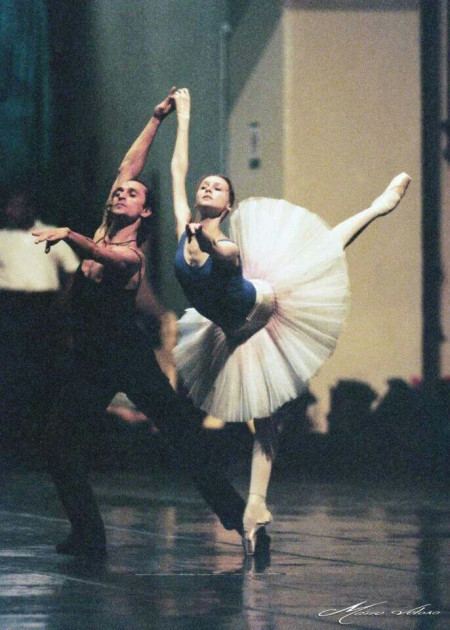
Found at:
[171, 565]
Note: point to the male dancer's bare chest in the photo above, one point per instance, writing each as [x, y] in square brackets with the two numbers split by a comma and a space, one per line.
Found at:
[96, 272]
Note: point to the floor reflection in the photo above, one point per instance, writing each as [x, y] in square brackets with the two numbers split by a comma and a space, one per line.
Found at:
[171, 565]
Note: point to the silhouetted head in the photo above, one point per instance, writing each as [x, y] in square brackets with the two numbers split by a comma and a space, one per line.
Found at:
[17, 208]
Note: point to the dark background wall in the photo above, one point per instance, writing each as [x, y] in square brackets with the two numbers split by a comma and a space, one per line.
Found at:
[25, 92]
[106, 65]
[78, 80]
[98, 68]
[111, 63]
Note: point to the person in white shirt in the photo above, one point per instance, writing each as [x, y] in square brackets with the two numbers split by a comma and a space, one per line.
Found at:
[22, 266]
[33, 324]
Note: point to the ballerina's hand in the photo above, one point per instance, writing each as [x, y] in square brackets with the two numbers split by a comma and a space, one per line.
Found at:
[204, 240]
[51, 236]
[183, 102]
[193, 229]
[166, 106]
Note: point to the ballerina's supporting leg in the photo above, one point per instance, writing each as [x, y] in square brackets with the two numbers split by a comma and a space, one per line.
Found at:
[349, 229]
[256, 514]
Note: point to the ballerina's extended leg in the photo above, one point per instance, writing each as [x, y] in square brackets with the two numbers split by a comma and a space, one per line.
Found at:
[349, 229]
[256, 514]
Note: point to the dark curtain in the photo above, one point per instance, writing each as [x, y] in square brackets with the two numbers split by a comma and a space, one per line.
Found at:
[25, 139]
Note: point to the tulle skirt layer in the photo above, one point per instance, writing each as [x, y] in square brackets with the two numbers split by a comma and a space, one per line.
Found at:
[294, 253]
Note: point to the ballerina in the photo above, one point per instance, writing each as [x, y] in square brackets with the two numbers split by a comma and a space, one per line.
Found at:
[269, 303]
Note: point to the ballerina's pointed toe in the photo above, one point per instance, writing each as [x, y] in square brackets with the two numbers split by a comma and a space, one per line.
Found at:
[255, 538]
[393, 194]
[256, 541]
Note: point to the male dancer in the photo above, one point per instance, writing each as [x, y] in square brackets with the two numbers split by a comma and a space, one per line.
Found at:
[112, 354]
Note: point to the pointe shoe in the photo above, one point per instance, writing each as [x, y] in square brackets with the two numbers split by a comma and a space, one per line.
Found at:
[256, 540]
[393, 194]
[255, 520]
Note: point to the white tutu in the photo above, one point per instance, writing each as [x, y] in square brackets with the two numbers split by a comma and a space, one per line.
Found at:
[295, 252]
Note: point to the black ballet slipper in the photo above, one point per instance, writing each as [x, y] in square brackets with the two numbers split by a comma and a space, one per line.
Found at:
[75, 545]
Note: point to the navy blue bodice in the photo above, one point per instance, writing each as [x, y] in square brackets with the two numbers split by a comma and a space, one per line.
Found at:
[218, 291]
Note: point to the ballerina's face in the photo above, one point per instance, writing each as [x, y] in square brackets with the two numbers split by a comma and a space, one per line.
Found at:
[130, 200]
[213, 196]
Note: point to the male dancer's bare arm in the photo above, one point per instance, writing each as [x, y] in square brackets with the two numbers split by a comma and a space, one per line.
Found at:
[134, 160]
[87, 249]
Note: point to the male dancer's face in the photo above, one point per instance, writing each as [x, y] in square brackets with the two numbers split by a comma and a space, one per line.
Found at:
[129, 200]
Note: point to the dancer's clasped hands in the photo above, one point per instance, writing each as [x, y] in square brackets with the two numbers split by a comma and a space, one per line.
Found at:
[204, 240]
[193, 229]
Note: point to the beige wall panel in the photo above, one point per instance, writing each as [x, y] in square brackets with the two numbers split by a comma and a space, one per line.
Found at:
[259, 100]
[352, 121]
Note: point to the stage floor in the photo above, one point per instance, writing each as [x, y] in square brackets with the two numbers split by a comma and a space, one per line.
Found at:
[171, 565]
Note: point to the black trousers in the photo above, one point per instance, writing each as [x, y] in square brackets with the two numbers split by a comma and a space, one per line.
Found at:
[95, 378]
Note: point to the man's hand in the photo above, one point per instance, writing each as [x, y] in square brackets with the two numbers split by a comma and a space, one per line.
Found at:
[51, 236]
[166, 106]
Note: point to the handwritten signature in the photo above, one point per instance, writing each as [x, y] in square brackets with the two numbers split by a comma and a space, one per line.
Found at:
[362, 609]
